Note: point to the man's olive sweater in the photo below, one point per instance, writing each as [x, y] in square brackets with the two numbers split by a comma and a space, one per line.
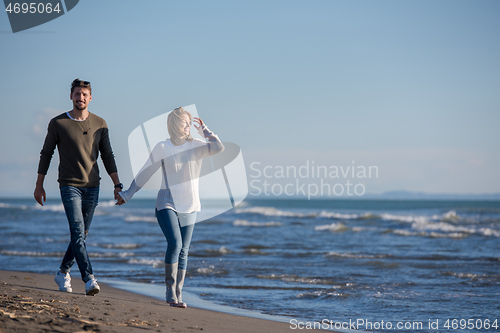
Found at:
[78, 152]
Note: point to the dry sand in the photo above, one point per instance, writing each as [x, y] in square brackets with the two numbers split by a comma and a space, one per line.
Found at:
[32, 302]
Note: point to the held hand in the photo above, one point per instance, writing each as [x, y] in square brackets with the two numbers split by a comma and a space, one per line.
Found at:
[39, 194]
[200, 123]
[117, 190]
[120, 202]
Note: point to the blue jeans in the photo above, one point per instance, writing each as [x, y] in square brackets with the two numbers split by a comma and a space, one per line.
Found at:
[79, 205]
[178, 238]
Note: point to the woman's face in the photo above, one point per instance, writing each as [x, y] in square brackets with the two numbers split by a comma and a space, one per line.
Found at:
[185, 125]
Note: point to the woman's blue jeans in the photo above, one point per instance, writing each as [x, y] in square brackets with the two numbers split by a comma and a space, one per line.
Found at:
[79, 205]
[178, 238]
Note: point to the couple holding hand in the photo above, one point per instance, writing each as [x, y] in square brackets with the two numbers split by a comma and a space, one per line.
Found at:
[79, 137]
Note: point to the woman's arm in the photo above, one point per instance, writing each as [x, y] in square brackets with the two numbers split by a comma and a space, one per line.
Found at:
[146, 172]
[213, 146]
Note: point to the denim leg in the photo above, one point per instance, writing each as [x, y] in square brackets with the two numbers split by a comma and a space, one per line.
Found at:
[178, 238]
[89, 203]
[186, 234]
[79, 205]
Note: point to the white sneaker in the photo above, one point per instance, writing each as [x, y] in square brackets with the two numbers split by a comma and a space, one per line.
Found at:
[91, 287]
[63, 281]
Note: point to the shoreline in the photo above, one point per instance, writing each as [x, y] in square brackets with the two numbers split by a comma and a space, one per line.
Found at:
[157, 292]
[32, 302]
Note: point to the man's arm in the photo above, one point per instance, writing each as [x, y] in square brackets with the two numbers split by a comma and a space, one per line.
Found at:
[108, 159]
[48, 148]
[116, 181]
[39, 191]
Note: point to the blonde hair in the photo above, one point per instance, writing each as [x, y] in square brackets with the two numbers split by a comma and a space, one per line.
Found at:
[174, 125]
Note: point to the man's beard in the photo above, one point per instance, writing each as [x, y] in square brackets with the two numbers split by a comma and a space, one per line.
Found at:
[81, 108]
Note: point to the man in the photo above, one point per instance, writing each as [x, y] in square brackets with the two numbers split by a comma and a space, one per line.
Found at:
[79, 136]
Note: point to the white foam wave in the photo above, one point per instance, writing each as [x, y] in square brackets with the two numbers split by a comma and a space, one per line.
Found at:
[110, 254]
[455, 229]
[450, 216]
[442, 226]
[136, 218]
[489, 232]
[271, 211]
[123, 246]
[31, 253]
[109, 203]
[322, 293]
[298, 279]
[403, 218]
[332, 215]
[356, 255]
[432, 234]
[148, 262]
[51, 208]
[209, 270]
[221, 250]
[334, 227]
[245, 223]
[60, 254]
[11, 206]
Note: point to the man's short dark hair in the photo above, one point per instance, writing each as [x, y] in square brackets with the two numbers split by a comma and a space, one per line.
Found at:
[80, 83]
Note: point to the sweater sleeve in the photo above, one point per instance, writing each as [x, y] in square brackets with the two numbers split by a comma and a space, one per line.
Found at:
[107, 156]
[212, 147]
[51, 140]
[146, 172]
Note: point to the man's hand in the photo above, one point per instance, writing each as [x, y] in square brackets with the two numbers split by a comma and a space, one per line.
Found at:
[39, 194]
[117, 190]
[120, 201]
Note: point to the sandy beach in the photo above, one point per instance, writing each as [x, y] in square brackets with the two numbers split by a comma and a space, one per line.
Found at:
[31, 302]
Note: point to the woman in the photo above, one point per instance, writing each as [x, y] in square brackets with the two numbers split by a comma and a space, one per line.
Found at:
[178, 199]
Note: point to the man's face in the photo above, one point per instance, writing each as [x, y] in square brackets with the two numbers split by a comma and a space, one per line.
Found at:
[81, 98]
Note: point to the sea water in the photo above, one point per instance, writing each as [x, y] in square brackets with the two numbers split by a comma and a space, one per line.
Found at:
[330, 261]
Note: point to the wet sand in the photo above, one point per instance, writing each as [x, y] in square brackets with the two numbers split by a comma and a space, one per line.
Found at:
[32, 302]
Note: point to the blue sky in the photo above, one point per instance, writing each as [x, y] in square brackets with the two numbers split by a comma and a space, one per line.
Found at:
[409, 86]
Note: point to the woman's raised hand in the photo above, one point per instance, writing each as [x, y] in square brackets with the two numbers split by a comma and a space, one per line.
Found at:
[198, 128]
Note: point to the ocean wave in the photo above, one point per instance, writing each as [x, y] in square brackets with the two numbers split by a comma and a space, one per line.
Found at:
[136, 218]
[211, 252]
[332, 215]
[253, 251]
[110, 254]
[123, 246]
[450, 216]
[31, 253]
[271, 211]
[472, 276]
[441, 226]
[356, 255]
[454, 229]
[147, 262]
[334, 227]
[245, 223]
[221, 250]
[50, 208]
[11, 206]
[109, 203]
[403, 218]
[210, 270]
[300, 279]
[60, 254]
[433, 234]
[323, 293]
